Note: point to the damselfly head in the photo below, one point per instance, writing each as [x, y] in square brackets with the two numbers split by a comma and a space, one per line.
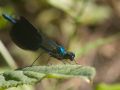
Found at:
[70, 55]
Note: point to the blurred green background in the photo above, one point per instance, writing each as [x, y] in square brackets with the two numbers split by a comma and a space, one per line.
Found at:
[89, 28]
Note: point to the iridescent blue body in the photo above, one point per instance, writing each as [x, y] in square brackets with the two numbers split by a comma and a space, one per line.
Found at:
[26, 36]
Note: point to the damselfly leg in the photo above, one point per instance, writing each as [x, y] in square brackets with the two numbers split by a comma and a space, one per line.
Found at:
[36, 59]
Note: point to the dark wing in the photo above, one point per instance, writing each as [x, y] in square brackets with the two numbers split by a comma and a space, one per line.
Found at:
[25, 35]
[47, 43]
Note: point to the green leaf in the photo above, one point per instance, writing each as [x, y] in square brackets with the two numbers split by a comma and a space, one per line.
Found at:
[104, 86]
[34, 74]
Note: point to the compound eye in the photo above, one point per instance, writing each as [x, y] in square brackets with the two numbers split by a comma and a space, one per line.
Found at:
[71, 56]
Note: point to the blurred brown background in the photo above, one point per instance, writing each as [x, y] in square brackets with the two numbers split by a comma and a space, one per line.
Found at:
[89, 28]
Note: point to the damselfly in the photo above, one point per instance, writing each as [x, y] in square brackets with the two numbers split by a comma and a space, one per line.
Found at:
[26, 36]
